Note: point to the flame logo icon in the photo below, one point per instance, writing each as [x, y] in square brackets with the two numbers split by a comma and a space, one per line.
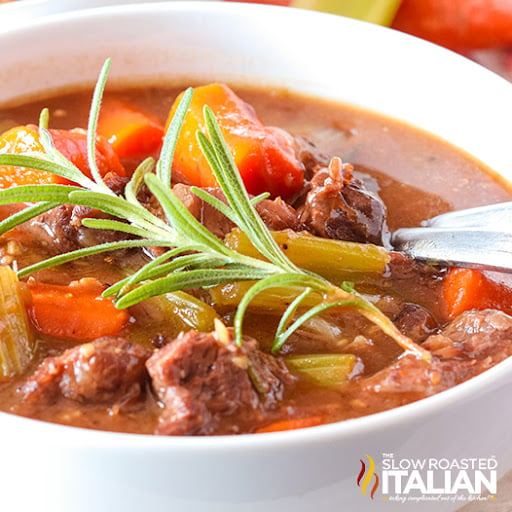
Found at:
[365, 477]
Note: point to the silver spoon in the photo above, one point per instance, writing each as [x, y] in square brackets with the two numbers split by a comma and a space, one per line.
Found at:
[475, 238]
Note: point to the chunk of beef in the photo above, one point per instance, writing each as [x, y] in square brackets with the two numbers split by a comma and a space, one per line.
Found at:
[208, 385]
[311, 157]
[278, 215]
[472, 343]
[106, 371]
[60, 230]
[340, 206]
[216, 222]
[475, 336]
[403, 266]
[415, 322]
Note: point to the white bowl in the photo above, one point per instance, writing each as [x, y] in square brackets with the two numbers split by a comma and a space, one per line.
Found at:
[50, 467]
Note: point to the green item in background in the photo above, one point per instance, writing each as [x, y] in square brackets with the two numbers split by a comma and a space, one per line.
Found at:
[380, 12]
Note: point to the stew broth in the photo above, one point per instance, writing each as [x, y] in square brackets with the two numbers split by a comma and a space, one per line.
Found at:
[416, 175]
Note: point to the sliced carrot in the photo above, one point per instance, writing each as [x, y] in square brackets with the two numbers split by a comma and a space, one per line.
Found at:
[265, 156]
[71, 143]
[76, 311]
[131, 132]
[458, 24]
[465, 289]
[292, 424]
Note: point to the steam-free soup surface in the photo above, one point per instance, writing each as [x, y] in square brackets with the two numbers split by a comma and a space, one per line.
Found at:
[415, 175]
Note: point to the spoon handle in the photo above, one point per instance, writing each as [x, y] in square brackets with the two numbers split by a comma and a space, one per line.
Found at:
[494, 217]
[462, 247]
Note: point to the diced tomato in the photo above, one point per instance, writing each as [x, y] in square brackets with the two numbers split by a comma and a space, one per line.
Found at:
[73, 145]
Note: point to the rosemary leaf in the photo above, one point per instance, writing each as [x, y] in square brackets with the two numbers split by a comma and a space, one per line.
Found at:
[181, 219]
[119, 207]
[196, 260]
[40, 163]
[94, 114]
[141, 274]
[137, 180]
[25, 215]
[51, 152]
[281, 337]
[388, 327]
[89, 251]
[36, 193]
[220, 205]
[114, 225]
[187, 280]
[278, 280]
[290, 312]
[226, 172]
[257, 199]
[215, 202]
[75, 174]
[44, 121]
[164, 165]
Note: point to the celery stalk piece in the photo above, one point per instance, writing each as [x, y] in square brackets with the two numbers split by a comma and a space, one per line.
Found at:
[335, 260]
[171, 314]
[380, 12]
[16, 340]
[191, 312]
[324, 369]
[272, 300]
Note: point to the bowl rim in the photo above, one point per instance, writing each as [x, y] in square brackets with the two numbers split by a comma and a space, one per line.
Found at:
[339, 431]
[323, 433]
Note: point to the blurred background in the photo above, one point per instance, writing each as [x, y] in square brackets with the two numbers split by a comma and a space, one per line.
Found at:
[478, 29]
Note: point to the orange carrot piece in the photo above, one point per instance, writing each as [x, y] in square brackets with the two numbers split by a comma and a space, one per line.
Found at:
[265, 156]
[131, 132]
[21, 140]
[71, 143]
[292, 424]
[76, 311]
[465, 289]
[458, 24]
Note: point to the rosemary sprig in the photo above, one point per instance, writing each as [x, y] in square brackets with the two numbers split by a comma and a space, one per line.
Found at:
[196, 258]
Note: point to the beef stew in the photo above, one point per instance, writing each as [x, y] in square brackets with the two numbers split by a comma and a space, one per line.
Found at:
[172, 364]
